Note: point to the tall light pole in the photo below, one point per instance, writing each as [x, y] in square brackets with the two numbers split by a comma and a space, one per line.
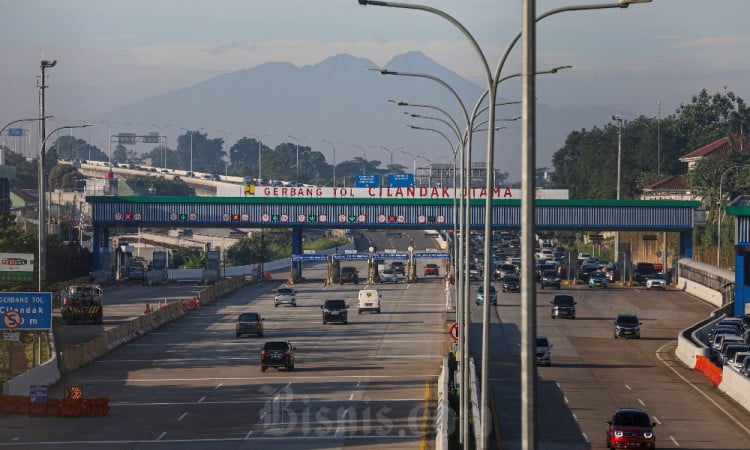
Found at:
[333, 148]
[528, 295]
[718, 232]
[658, 139]
[364, 156]
[296, 140]
[618, 119]
[163, 145]
[260, 150]
[390, 151]
[41, 205]
[191, 146]
[226, 167]
[42, 84]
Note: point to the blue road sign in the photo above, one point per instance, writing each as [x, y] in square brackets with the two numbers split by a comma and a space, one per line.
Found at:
[397, 180]
[38, 393]
[26, 310]
[310, 257]
[15, 131]
[431, 255]
[365, 180]
[351, 257]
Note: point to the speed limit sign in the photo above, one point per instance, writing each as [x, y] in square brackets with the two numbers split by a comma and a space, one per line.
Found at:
[454, 332]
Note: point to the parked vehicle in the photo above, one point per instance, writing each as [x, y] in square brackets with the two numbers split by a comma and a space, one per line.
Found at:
[285, 295]
[739, 360]
[730, 350]
[368, 300]
[543, 351]
[627, 325]
[249, 323]
[334, 311]
[630, 428]
[563, 305]
[277, 354]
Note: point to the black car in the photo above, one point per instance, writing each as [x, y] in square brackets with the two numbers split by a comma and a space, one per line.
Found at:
[550, 279]
[563, 305]
[249, 323]
[349, 275]
[399, 268]
[511, 283]
[334, 311]
[277, 354]
[627, 325]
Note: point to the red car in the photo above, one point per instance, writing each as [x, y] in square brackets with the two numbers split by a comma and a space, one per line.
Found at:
[630, 428]
[431, 269]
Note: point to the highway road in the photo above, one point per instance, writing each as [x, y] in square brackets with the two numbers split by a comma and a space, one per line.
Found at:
[592, 374]
[192, 384]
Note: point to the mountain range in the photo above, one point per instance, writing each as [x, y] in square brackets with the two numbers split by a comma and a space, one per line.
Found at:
[341, 101]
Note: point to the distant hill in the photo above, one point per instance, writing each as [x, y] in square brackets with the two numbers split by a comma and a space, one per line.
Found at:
[338, 99]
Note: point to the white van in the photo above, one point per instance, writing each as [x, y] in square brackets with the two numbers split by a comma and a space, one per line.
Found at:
[368, 300]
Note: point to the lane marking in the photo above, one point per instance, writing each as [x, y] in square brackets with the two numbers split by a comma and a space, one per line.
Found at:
[281, 439]
[263, 415]
[641, 402]
[558, 385]
[423, 440]
[676, 444]
[345, 413]
[656, 420]
[575, 417]
[565, 398]
[163, 433]
[202, 398]
[255, 402]
[628, 387]
[351, 397]
[248, 434]
[296, 377]
[586, 438]
[218, 385]
[182, 416]
[706, 396]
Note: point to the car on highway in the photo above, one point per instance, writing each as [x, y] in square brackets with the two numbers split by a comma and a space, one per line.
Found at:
[399, 268]
[511, 283]
[285, 296]
[334, 310]
[627, 325]
[388, 276]
[563, 305]
[480, 295]
[543, 351]
[136, 272]
[349, 275]
[368, 300]
[656, 281]
[598, 278]
[249, 323]
[431, 270]
[475, 274]
[277, 354]
[550, 279]
[630, 428]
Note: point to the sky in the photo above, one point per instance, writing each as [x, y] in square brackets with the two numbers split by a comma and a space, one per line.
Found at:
[644, 60]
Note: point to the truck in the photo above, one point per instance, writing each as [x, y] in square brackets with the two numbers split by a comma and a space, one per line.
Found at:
[82, 303]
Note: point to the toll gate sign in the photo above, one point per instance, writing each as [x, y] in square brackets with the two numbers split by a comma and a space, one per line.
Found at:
[26, 310]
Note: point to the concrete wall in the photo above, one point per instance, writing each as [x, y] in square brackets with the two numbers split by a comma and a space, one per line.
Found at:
[702, 292]
[46, 374]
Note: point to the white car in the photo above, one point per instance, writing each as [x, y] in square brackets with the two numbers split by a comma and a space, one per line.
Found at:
[285, 295]
[388, 276]
[656, 282]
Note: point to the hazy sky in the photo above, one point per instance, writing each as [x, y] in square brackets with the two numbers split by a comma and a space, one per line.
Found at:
[111, 53]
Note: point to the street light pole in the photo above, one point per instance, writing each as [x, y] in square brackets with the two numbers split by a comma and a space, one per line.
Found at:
[42, 84]
[226, 167]
[333, 148]
[658, 139]
[618, 118]
[296, 181]
[42, 251]
[260, 150]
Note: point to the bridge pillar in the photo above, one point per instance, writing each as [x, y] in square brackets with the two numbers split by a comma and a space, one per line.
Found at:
[686, 244]
[296, 268]
[741, 279]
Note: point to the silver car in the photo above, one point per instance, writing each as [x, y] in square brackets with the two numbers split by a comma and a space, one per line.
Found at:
[543, 351]
[388, 276]
[285, 295]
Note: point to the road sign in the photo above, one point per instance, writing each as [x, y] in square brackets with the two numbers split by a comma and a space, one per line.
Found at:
[310, 257]
[38, 393]
[15, 131]
[397, 180]
[26, 310]
[454, 332]
[12, 336]
[74, 392]
[365, 180]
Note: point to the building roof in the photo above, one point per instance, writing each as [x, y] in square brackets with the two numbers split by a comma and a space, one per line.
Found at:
[718, 147]
[673, 183]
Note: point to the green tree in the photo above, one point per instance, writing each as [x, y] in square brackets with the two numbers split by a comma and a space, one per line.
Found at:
[207, 154]
[120, 155]
[64, 177]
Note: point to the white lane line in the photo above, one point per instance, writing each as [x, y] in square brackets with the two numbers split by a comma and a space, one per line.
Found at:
[218, 385]
[351, 397]
[263, 415]
[296, 377]
[163, 433]
[337, 433]
[656, 420]
[575, 417]
[256, 402]
[558, 385]
[676, 444]
[202, 398]
[247, 436]
[706, 396]
[628, 387]
[586, 438]
[182, 416]
[358, 383]
[345, 413]
[565, 398]
[641, 402]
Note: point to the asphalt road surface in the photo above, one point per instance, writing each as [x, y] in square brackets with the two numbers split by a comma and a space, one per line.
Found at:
[192, 384]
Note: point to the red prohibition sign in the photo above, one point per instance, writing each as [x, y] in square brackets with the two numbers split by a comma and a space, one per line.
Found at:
[12, 319]
[454, 332]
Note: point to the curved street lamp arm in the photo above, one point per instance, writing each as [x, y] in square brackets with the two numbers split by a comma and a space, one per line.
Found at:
[453, 148]
[455, 126]
[456, 131]
[36, 119]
